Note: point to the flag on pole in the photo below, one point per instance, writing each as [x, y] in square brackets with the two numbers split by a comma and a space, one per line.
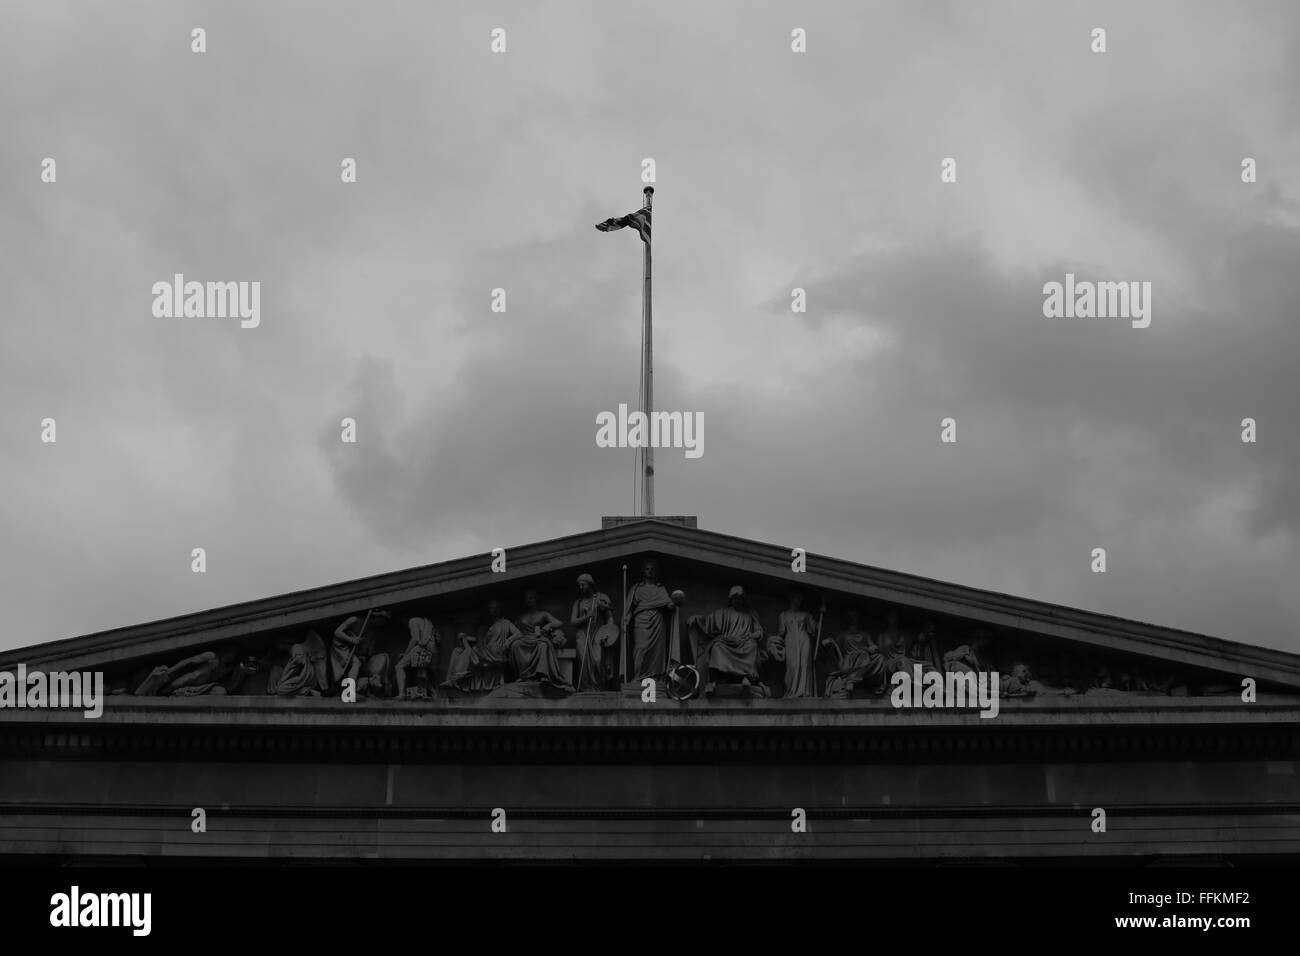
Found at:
[639, 220]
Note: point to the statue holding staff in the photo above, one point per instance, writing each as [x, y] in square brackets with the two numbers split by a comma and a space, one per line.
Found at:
[353, 655]
[593, 616]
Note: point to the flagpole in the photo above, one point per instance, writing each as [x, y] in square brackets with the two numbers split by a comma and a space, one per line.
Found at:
[648, 487]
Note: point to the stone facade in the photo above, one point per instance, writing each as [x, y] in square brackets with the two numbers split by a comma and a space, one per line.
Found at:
[242, 711]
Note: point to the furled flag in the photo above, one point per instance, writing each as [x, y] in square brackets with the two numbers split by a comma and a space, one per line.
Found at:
[639, 220]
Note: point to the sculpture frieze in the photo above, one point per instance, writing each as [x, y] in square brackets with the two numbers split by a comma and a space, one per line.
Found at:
[847, 650]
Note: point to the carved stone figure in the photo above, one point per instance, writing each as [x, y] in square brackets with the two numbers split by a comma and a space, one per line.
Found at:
[492, 652]
[731, 637]
[353, 655]
[1123, 676]
[469, 671]
[1163, 681]
[924, 647]
[211, 672]
[901, 653]
[965, 658]
[156, 681]
[962, 659]
[860, 661]
[420, 656]
[595, 635]
[305, 673]
[1023, 683]
[532, 652]
[793, 643]
[505, 650]
[535, 622]
[647, 623]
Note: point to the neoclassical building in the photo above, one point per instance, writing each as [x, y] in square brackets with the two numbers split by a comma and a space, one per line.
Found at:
[720, 706]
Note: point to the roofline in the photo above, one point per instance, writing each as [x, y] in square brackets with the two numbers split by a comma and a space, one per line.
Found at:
[710, 547]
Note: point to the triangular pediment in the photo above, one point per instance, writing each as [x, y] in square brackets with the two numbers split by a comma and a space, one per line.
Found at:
[1065, 648]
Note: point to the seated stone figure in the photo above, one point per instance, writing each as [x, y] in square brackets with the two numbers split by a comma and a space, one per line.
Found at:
[731, 642]
[861, 663]
[901, 654]
[538, 622]
[532, 651]
[506, 651]
[493, 651]
[211, 672]
[420, 655]
[305, 673]
[467, 671]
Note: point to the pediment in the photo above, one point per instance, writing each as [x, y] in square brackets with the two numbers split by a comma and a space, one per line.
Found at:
[1068, 653]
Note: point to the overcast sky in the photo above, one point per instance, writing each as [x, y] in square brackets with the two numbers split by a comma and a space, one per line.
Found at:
[775, 170]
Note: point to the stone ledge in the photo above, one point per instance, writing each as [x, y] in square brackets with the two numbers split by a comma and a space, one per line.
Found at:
[614, 712]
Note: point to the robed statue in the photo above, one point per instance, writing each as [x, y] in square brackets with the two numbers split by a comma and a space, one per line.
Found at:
[648, 623]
